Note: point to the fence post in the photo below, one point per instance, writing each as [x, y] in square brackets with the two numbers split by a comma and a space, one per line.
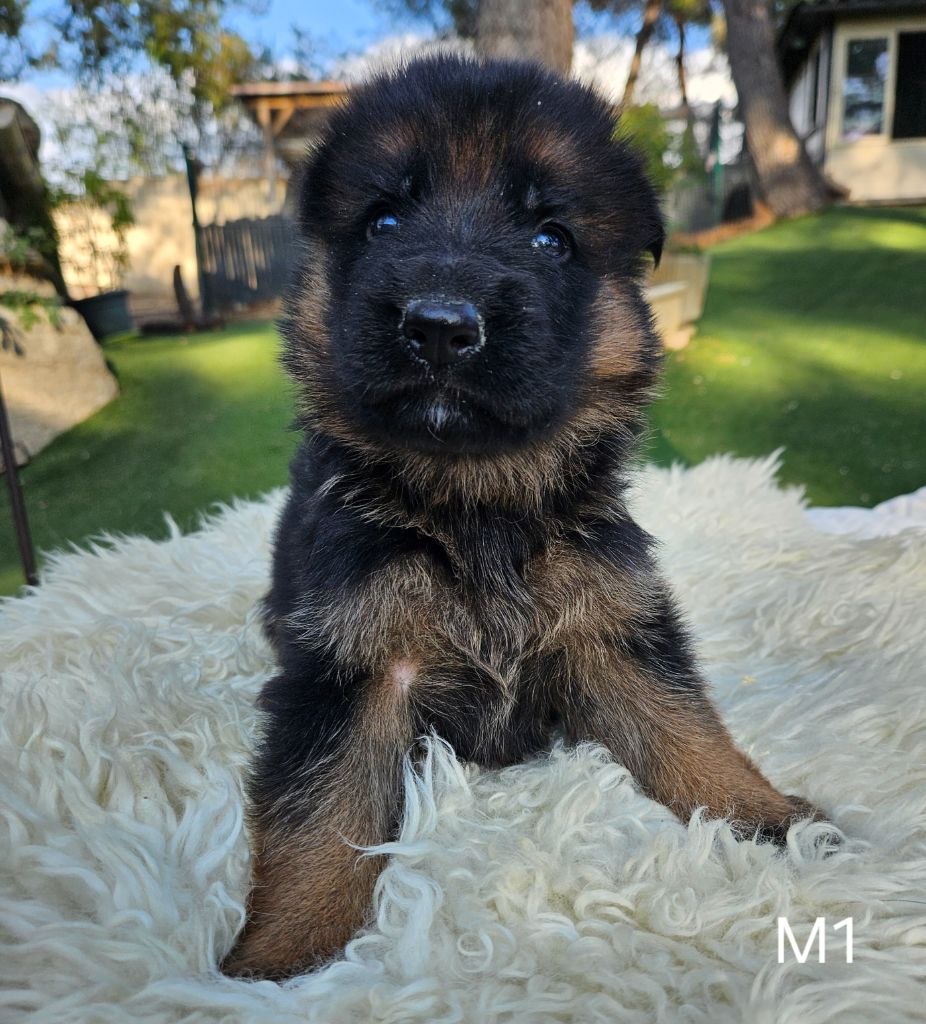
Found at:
[192, 179]
[714, 165]
[17, 503]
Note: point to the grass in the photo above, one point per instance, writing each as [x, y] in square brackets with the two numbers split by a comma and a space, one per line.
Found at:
[197, 421]
[812, 339]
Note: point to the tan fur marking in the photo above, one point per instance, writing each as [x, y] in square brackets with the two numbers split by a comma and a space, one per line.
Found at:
[514, 481]
[308, 897]
[474, 158]
[401, 138]
[583, 603]
[574, 602]
[308, 360]
[618, 334]
[678, 749]
[311, 890]
[313, 297]
[550, 148]
[369, 623]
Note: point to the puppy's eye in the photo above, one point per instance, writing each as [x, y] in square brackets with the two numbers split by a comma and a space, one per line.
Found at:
[384, 222]
[552, 240]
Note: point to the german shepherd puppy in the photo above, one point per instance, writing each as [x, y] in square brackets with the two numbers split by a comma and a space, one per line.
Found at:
[473, 352]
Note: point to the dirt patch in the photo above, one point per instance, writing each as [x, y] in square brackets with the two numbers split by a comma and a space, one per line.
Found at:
[761, 218]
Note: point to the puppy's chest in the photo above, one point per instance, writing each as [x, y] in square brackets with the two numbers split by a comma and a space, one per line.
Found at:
[492, 614]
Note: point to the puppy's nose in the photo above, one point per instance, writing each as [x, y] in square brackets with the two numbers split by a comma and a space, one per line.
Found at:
[441, 332]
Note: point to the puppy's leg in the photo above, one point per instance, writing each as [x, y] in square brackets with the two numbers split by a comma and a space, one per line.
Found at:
[647, 704]
[328, 775]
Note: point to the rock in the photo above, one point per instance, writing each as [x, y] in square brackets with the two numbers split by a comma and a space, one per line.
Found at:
[58, 376]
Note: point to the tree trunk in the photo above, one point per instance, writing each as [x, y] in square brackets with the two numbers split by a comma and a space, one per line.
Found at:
[680, 66]
[530, 29]
[789, 182]
[651, 14]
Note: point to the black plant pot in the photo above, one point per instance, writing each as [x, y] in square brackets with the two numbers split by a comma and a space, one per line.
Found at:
[106, 314]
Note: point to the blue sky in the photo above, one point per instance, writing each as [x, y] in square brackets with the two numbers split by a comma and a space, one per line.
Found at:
[335, 28]
[340, 26]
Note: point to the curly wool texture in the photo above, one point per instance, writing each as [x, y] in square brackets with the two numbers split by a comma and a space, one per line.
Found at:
[548, 892]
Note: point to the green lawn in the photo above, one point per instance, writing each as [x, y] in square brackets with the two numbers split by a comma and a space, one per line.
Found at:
[814, 339]
[197, 421]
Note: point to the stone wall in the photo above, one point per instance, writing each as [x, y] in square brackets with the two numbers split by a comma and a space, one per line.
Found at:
[162, 237]
[53, 375]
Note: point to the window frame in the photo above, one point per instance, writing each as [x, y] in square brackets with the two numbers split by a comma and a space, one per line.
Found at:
[815, 89]
[843, 33]
[862, 34]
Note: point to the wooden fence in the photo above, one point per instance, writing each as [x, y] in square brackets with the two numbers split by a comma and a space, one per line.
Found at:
[245, 261]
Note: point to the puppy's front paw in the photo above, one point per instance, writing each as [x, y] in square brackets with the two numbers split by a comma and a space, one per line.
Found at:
[249, 961]
[804, 809]
[776, 831]
[278, 956]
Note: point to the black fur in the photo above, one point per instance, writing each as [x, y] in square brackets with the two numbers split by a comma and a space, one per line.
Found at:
[470, 242]
[500, 477]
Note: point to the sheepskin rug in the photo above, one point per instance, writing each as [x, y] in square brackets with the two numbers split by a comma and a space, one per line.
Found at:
[548, 892]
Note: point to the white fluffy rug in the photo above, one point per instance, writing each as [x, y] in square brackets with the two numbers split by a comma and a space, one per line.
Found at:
[548, 892]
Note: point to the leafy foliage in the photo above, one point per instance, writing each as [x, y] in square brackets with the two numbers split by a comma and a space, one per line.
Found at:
[28, 303]
[18, 252]
[645, 130]
[106, 196]
[93, 38]
[669, 156]
[19, 248]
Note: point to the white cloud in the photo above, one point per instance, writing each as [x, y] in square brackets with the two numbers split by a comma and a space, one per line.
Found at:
[390, 52]
[604, 61]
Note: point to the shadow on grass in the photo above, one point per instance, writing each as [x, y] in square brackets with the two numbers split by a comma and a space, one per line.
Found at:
[844, 399]
[814, 339]
[825, 287]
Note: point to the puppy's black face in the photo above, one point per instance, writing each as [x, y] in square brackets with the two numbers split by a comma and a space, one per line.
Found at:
[474, 237]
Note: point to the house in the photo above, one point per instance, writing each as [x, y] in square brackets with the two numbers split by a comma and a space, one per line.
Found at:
[856, 77]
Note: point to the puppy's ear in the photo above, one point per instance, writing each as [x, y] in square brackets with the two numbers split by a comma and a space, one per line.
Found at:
[635, 194]
[654, 248]
[649, 226]
[652, 227]
[309, 183]
[300, 182]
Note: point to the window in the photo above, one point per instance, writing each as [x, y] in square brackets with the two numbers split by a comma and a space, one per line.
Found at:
[910, 98]
[863, 88]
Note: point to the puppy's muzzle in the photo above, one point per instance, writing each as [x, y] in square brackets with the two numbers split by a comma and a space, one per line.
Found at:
[441, 332]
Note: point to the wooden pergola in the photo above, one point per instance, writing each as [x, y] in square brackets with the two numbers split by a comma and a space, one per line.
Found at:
[289, 114]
